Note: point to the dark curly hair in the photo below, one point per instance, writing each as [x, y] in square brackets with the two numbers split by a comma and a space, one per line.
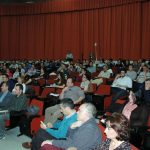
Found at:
[121, 125]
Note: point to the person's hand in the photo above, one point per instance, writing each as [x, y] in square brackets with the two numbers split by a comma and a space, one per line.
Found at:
[49, 125]
[65, 89]
[147, 87]
[118, 76]
[46, 142]
[43, 125]
[76, 124]
[72, 148]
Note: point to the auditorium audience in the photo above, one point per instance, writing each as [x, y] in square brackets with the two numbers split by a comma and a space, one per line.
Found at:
[83, 134]
[17, 104]
[70, 91]
[136, 110]
[57, 130]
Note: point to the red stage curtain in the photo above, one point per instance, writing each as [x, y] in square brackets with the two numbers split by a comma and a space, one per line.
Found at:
[145, 48]
[120, 29]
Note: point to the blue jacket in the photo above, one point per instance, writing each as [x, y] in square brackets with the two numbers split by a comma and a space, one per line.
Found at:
[62, 127]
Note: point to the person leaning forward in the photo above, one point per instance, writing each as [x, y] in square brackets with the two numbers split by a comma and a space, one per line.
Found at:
[70, 91]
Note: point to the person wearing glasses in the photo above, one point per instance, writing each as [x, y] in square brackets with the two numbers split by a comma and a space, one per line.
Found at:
[117, 133]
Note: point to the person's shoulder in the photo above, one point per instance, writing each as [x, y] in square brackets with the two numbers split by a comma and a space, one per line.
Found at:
[125, 146]
[23, 96]
[76, 88]
[9, 94]
[127, 78]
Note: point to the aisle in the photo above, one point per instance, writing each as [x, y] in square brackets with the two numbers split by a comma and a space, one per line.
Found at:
[12, 142]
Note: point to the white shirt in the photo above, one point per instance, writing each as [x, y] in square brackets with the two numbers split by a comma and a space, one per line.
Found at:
[123, 83]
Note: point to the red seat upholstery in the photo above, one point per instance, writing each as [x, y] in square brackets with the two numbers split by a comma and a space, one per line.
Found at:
[49, 81]
[120, 101]
[77, 84]
[46, 91]
[41, 82]
[133, 147]
[102, 129]
[94, 87]
[36, 90]
[35, 124]
[58, 90]
[103, 90]
[107, 102]
[39, 104]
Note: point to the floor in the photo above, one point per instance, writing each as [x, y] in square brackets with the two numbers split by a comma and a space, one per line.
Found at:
[12, 142]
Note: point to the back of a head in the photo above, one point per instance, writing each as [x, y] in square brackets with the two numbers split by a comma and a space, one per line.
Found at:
[67, 102]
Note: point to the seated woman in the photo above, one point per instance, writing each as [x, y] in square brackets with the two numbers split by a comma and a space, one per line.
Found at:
[60, 81]
[117, 132]
[85, 83]
[125, 108]
[130, 106]
[42, 74]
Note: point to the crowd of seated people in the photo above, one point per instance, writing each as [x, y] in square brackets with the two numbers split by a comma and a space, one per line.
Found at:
[80, 134]
[58, 130]
[137, 78]
[70, 91]
[14, 103]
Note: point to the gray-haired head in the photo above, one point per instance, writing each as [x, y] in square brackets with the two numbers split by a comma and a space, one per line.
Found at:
[90, 109]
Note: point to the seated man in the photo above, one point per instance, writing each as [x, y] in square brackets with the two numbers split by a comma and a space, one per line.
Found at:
[5, 95]
[58, 129]
[70, 91]
[131, 73]
[143, 94]
[17, 104]
[19, 101]
[120, 85]
[83, 134]
[105, 73]
[10, 82]
[144, 74]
